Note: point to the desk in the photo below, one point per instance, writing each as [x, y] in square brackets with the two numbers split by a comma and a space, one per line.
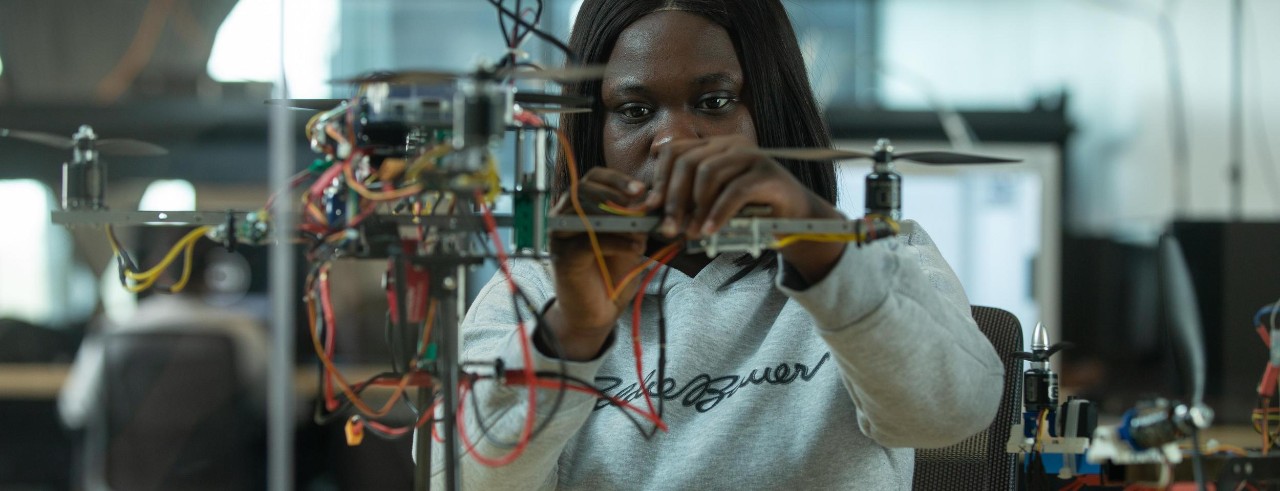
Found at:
[42, 381]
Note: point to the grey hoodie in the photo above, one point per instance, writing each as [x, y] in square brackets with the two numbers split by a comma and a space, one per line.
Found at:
[770, 383]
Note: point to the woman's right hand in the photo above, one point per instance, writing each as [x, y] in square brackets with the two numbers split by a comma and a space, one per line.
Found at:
[584, 315]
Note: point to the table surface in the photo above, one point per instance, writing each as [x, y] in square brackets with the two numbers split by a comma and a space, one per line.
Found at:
[36, 381]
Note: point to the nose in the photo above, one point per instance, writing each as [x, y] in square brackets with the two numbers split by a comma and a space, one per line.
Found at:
[674, 126]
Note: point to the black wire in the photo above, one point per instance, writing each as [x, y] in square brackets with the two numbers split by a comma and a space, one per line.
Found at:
[598, 393]
[393, 347]
[662, 348]
[515, 34]
[573, 57]
[502, 26]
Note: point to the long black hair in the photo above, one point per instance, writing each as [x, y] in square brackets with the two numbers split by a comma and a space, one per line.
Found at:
[776, 85]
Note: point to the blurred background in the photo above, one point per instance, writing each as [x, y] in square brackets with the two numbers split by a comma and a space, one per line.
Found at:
[1132, 117]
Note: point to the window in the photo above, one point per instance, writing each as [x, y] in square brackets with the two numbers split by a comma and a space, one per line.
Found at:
[42, 284]
[247, 45]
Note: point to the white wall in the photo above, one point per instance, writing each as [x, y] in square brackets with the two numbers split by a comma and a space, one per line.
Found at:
[1108, 55]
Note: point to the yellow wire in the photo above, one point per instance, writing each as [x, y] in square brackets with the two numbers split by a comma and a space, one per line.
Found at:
[489, 179]
[378, 196]
[791, 239]
[427, 160]
[855, 237]
[619, 211]
[311, 122]
[168, 258]
[182, 281]
[147, 279]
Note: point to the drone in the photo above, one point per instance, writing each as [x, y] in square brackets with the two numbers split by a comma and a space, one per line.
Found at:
[406, 171]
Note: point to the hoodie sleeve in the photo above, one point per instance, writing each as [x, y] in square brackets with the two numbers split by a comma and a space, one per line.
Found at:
[911, 356]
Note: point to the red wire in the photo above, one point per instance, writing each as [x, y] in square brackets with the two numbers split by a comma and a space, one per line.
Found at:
[325, 179]
[400, 430]
[635, 333]
[491, 226]
[526, 356]
[514, 379]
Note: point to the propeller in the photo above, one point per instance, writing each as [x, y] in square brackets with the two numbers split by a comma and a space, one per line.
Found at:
[927, 157]
[111, 146]
[814, 154]
[306, 104]
[883, 184]
[532, 101]
[428, 77]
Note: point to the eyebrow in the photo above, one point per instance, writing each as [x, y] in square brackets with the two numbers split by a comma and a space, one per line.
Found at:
[631, 86]
[714, 78]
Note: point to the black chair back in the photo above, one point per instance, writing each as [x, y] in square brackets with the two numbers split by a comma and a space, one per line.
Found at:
[175, 416]
[981, 463]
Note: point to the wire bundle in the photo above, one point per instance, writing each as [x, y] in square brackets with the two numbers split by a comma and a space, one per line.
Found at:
[145, 280]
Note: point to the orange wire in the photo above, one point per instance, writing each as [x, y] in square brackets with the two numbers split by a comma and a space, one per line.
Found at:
[378, 196]
[577, 207]
[332, 370]
[631, 275]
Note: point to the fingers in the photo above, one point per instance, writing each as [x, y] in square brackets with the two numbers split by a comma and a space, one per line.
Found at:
[617, 180]
[678, 189]
[748, 188]
[691, 175]
[709, 185]
[666, 159]
[600, 185]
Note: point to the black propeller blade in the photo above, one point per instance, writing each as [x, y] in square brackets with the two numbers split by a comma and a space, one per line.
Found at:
[48, 139]
[128, 148]
[429, 77]
[930, 157]
[814, 154]
[533, 101]
[950, 158]
[306, 104]
[113, 146]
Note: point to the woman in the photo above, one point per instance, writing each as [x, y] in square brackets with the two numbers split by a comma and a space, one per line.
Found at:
[820, 367]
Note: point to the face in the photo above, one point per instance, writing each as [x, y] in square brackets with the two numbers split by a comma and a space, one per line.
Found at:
[671, 75]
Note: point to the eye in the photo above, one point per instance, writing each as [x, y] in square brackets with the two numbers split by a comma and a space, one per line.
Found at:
[634, 112]
[718, 103]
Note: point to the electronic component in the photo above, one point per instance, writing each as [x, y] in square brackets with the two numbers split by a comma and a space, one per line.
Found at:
[883, 184]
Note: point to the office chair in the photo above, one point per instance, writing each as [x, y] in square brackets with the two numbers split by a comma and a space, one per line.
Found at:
[981, 463]
[174, 416]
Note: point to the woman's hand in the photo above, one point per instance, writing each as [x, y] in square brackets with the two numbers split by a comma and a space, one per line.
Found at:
[703, 183]
[584, 314]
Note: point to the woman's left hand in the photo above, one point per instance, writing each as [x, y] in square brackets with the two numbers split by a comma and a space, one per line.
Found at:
[701, 184]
